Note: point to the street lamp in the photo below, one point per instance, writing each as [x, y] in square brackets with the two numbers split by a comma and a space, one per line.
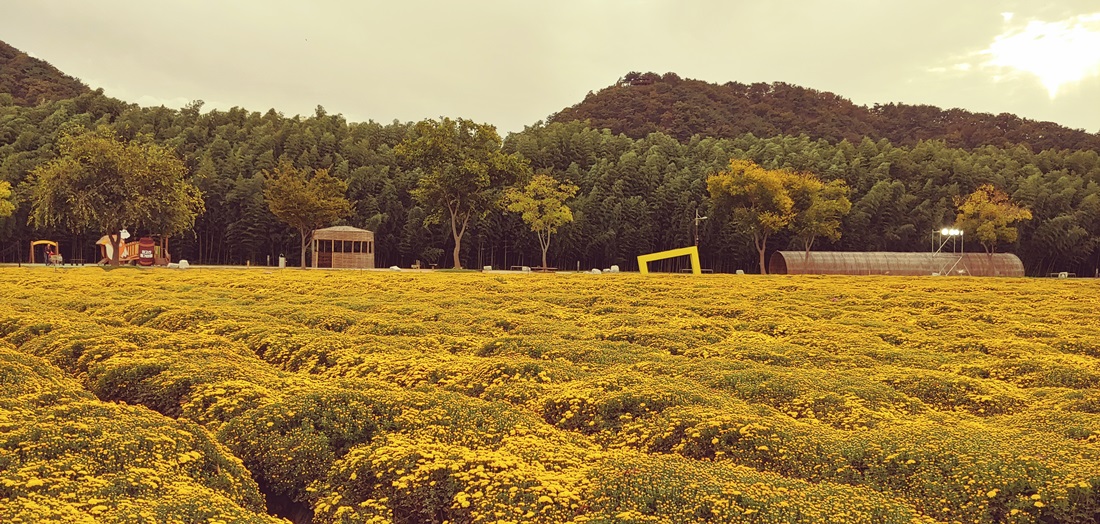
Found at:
[697, 220]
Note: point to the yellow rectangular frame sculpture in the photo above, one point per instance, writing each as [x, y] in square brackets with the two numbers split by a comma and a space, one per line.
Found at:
[693, 252]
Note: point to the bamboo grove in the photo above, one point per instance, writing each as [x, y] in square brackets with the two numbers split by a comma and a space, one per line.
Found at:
[635, 195]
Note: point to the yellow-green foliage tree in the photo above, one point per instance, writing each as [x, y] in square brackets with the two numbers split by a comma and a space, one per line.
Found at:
[818, 208]
[6, 207]
[463, 171]
[305, 202]
[988, 214]
[100, 183]
[758, 198]
[541, 203]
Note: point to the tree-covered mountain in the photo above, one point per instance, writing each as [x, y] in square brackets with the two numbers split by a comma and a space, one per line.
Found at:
[28, 81]
[643, 103]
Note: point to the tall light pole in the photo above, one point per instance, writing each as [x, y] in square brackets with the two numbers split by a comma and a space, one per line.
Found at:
[697, 220]
[952, 234]
[948, 234]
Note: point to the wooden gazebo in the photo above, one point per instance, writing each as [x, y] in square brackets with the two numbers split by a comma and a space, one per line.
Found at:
[343, 247]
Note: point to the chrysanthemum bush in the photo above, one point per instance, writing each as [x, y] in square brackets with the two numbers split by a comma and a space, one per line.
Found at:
[66, 456]
[389, 397]
[659, 488]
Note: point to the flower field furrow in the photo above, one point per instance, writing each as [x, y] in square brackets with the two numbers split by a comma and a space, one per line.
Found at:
[67, 457]
[351, 397]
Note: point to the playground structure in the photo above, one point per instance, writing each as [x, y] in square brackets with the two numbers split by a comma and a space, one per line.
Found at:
[52, 254]
[692, 252]
[146, 251]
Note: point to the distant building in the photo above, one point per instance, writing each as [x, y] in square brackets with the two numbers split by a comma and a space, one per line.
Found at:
[889, 263]
[343, 247]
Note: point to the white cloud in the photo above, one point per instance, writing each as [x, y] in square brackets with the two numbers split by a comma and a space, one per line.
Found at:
[1058, 53]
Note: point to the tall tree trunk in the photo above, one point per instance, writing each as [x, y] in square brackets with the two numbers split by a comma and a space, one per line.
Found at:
[116, 241]
[544, 241]
[303, 234]
[761, 242]
[806, 256]
[457, 233]
[458, 240]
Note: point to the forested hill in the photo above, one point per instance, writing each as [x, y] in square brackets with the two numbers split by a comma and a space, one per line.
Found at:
[640, 104]
[29, 81]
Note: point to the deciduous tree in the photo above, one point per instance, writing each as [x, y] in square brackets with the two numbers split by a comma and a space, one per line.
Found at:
[541, 203]
[988, 214]
[305, 202]
[463, 171]
[758, 199]
[100, 183]
[818, 208]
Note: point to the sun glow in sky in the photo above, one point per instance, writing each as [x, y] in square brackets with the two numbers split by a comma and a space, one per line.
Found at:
[1059, 53]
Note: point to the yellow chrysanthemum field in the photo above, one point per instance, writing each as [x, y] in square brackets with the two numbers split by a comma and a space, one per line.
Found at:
[375, 397]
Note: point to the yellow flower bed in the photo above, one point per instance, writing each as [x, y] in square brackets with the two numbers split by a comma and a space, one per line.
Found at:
[379, 397]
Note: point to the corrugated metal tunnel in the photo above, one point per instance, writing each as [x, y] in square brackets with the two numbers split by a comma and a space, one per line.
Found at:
[890, 263]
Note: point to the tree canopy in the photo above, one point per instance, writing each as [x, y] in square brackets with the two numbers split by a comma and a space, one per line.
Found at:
[541, 204]
[29, 81]
[100, 183]
[819, 208]
[6, 205]
[644, 103]
[758, 200]
[305, 202]
[463, 171]
[988, 214]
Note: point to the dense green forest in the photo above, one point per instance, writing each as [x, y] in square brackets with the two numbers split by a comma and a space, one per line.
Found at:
[636, 195]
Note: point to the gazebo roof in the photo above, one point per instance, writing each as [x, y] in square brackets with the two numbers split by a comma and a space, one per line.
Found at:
[342, 229]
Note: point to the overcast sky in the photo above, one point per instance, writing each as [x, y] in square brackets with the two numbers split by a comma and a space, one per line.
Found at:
[512, 62]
